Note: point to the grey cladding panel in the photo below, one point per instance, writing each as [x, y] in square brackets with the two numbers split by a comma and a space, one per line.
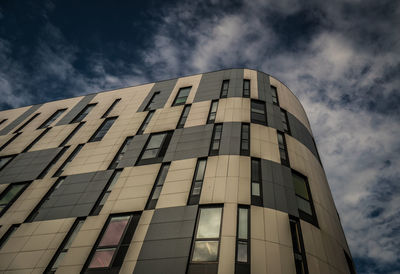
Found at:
[263, 83]
[274, 116]
[235, 83]
[165, 88]
[76, 109]
[170, 265]
[133, 151]
[230, 140]
[27, 166]
[20, 119]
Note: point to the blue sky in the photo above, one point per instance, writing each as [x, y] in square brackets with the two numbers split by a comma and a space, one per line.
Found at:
[341, 58]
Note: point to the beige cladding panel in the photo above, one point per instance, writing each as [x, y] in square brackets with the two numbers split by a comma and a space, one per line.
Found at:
[233, 110]
[264, 143]
[164, 119]
[11, 115]
[252, 76]
[20, 143]
[198, 114]
[189, 81]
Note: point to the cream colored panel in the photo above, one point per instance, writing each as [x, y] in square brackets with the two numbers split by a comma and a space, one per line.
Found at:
[273, 257]
[264, 143]
[258, 257]
[233, 110]
[198, 114]
[11, 115]
[20, 143]
[164, 119]
[252, 76]
[188, 81]
[227, 249]
[54, 137]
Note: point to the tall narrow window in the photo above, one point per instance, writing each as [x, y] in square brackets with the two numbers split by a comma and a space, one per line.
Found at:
[10, 141]
[37, 139]
[274, 92]
[303, 197]
[26, 123]
[146, 121]
[73, 154]
[224, 89]
[256, 183]
[5, 160]
[2, 121]
[52, 163]
[205, 248]
[258, 114]
[65, 245]
[106, 192]
[120, 153]
[52, 118]
[243, 241]
[8, 234]
[152, 102]
[184, 115]
[110, 248]
[285, 121]
[103, 129]
[156, 191]
[84, 112]
[283, 149]
[245, 140]
[105, 115]
[213, 112]
[10, 195]
[298, 246]
[183, 94]
[197, 183]
[350, 264]
[216, 140]
[73, 132]
[246, 88]
[155, 148]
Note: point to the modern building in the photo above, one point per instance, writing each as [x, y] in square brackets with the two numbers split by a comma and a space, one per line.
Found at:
[210, 173]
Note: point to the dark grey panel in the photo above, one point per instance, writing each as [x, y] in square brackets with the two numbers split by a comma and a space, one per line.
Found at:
[27, 166]
[174, 214]
[274, 116]
[170, 265]
[20, 119]
[75, 197]
[264, 92]
[235, 83]
[165, 88]
[76, 109]
[133, 151]
[163, 249]
[230, 139]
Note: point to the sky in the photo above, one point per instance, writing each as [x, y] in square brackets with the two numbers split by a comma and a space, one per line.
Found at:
[341, 58]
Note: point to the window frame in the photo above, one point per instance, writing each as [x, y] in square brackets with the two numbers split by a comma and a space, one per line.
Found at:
[69, 159]
[255, 120]
[26, 123]
[209, 120]
[94, 137]
[193, 199]
[285, 121]
[25, 185]
[161, 150]
[9, 141]
[73, 132]
[246, 95]
[145, 122]
[157, 183]
[244, 152]
[274, 94]
[77, 118]
[122, 149]
[178, 97]
[214, 152]
[182, 117]
[37, 139]
[294, 224]
[11, 157]
[47, 123]
[224, 92]
[243, 267]
[6, 236]
[105, 114]
[52, 163]
[256, 200]
[148, 106]
[283, 149]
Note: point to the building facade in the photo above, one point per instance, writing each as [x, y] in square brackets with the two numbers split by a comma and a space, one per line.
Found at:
[210, 173]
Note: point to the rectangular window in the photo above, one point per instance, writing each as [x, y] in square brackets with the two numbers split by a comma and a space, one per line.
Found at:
[213, 112]
[106, 192]
[245, 140]
[146, 121]
[10, 140]
[275, 99]
[350, 264]
[8, 234]
[111, 108]
[84, 112]
[258, 113]
[298, 246]
[120, 153]
[52, 163]
[216, 140]
[10, 195]
[303, 198]
[283, 149]
[52, 118]
[243, 240]
[110, 248]
[37, 139]
[26, 123]
[65, 245]
[246, 88]
[285, 121]
[197, 183]
[73, 132]
[256, 183]
[5, 160]
[73, 154]
[183, 94]
[224, 89]
[155, 148]
[2, 121]
[184, 115]
[156, 191]
[103, 129]
[151, 104]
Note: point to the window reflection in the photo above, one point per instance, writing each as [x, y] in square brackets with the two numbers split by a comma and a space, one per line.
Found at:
[209, 223]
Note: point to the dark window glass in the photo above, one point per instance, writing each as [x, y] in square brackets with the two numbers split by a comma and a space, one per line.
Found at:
[350, 264]
[275, 99]
[73, 132]
[145, 122]
[84, 112]
[37, 139]
[73, 154]
[10, 195]
[180, 99]
[224, 89]
[184, 115]
[256, 183]
[151, 104]
[52, 118]
[245, 140]
[258, 115]
[65, 245]
[111, 108]
[106, 192]
[283, 149]
[52, 163]
[155, 148]
[216, 139]
[2, 121]
[8, 234]
[120, 153]
[156, 191]
[10, 141]
[285, 121]
[103, 129]
[298, 246]
[303, 198]
[213, 112]
[5, 160]
[246, 88]
[27, 122]
[243, 240]
[197, 182]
